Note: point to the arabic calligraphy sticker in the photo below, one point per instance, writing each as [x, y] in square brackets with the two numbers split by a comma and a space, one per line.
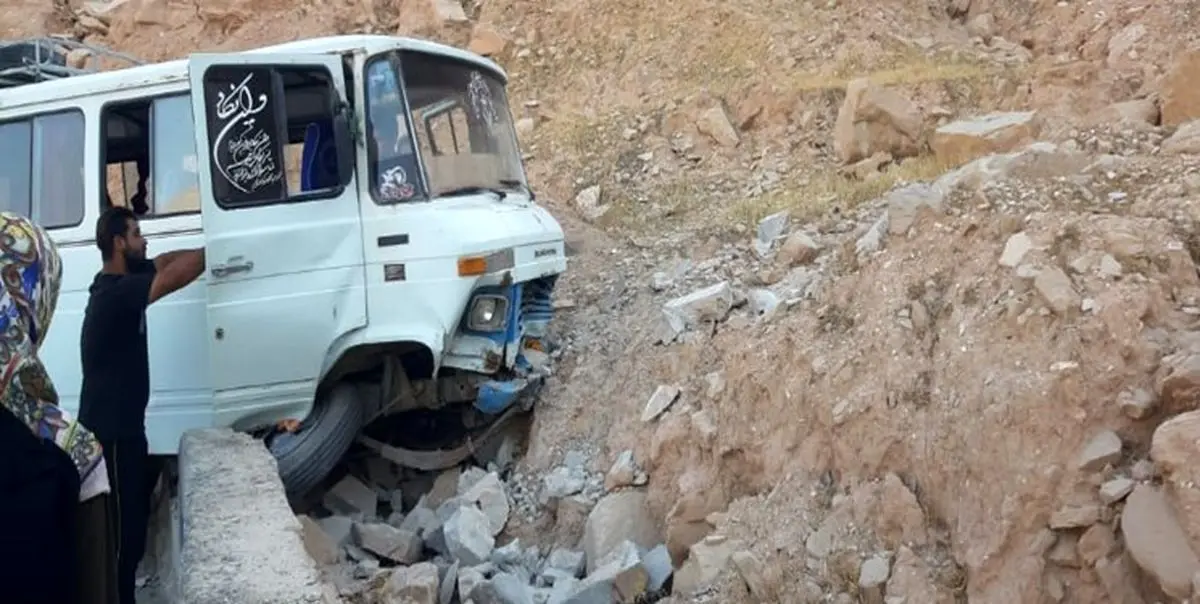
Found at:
[479, 96]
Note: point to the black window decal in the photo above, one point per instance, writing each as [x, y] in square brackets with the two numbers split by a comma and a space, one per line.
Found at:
[244, 130]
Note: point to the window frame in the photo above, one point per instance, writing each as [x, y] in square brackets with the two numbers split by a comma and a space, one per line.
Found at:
[422, 195]
[150, 100]
[277, 85]
[34, 166]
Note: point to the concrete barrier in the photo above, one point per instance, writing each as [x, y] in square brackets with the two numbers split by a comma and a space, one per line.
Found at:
[231, 537]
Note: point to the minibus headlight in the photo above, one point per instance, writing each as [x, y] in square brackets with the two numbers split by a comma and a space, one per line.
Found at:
[488, 313]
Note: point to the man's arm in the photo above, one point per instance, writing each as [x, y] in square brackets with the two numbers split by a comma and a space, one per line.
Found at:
[162, 260]
[176, 273]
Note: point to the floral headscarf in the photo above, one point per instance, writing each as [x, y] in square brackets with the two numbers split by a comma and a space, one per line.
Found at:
[31, 272]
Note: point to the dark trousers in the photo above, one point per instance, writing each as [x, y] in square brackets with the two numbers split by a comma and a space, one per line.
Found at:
[132, 473]
[97, 552]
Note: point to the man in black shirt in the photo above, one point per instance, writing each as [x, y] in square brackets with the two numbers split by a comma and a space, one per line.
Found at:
[116, 371]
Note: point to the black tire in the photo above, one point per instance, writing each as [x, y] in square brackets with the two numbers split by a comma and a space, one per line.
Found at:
[306, 457]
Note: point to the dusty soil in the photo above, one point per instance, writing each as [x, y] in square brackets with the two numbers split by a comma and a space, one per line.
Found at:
[918, 379]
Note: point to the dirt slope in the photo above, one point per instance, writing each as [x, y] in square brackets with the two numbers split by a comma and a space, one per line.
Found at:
[918, 382]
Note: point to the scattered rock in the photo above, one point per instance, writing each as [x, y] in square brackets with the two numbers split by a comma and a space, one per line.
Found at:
[486, 41]
[872, 577]
[1136, 403]
[504, 588]
[1075, 516]
[416, 584]
[1115, 490]
[350, 497]
[1179, 98]
[957, 142]
[389, 542]
[624, 470]
[906, 203]
[664, 396]
[1096, 543]
[323, 549]
[1156, 541]
[752, 571]
[1174, 448]
[468, 535]
[1137, 112]
[617, 517]
[706, 561]
[798, 249]
[874, 119]
[714, 123]
[589, 203]
[489, 495]
[1186, 139]
[1015, 249]
[1056, 291]
[708, 305]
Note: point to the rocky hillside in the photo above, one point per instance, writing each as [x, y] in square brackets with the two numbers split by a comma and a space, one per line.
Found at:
[888, 302]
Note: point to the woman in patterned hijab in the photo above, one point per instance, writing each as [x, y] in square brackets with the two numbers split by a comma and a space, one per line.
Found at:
[48, 462]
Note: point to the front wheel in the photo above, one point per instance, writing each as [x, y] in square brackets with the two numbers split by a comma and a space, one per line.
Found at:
[307, 456]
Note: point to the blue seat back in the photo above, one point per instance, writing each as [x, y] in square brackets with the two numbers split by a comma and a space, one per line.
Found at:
[318, 163]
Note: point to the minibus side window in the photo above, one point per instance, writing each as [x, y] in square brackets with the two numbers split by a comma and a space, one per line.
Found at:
[42, 173]
[150, 156]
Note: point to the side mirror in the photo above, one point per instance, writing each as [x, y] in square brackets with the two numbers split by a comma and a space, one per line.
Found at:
[343, 140]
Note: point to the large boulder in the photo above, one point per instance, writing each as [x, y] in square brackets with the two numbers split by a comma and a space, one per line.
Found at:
[874, 119]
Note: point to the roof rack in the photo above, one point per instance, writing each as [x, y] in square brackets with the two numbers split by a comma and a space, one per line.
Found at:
[41, 59]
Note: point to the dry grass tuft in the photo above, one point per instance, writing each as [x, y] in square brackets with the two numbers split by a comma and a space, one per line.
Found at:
[812, 198]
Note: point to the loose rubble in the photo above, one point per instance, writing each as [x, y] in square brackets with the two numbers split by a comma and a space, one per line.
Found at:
[449, 543]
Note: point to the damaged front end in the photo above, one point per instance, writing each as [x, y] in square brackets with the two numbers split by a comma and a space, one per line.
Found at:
[491, 372]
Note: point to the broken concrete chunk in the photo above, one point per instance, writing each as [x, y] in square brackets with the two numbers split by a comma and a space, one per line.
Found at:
[468, 536]
[416, 584]
[389, 542]
[569, 562]
[659, 568]
[662, 399]
[1102, 450]
[617, 517]
[339, 528]
[449, 580]
[504, 588]
[561, 482]
[620, 573]
[420, 520]
[468, 478]
[489, 495]
[468, 580]
[444, 487]
[350, 497]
